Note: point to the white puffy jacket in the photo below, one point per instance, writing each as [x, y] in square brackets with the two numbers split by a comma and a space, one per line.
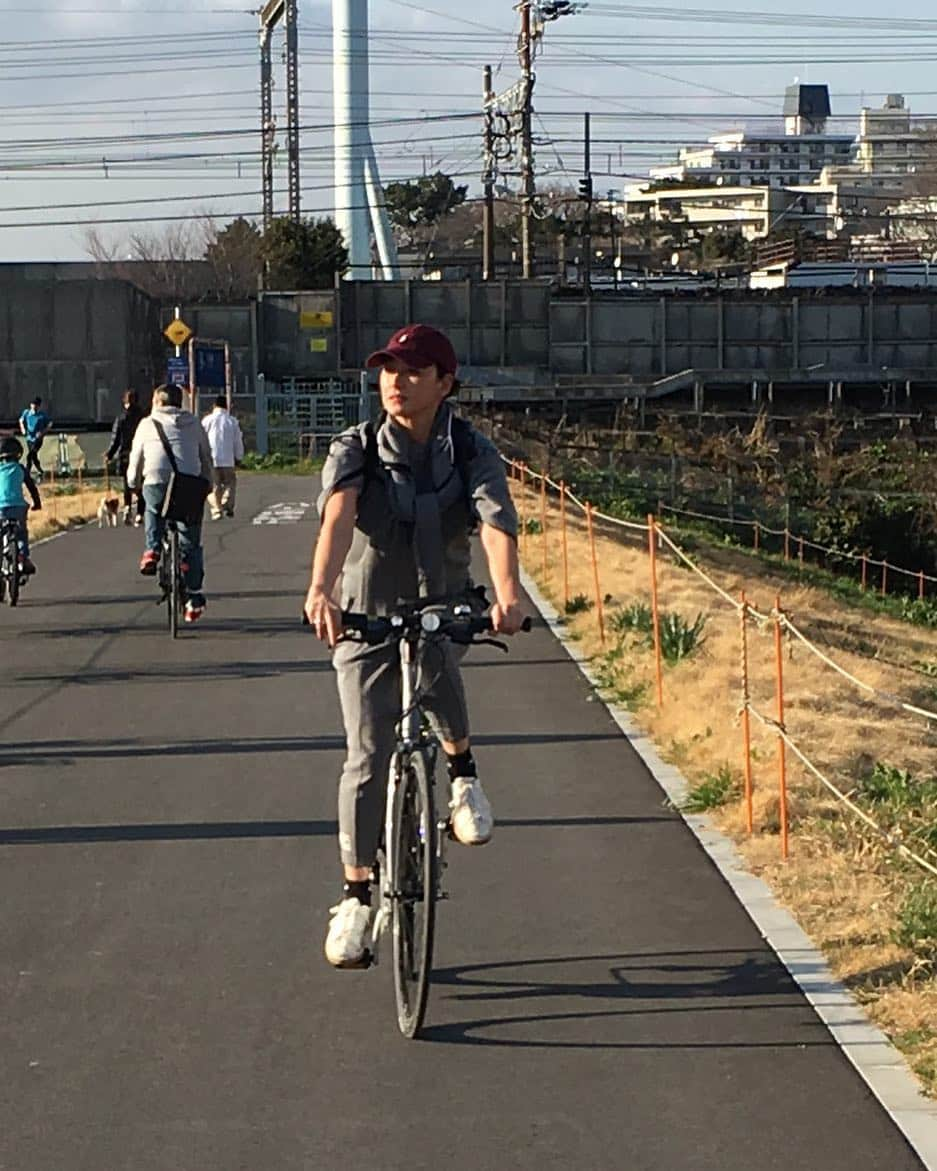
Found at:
[149, 463]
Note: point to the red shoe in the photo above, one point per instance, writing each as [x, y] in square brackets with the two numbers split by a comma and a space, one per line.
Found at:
[148, 563]
[193, 612]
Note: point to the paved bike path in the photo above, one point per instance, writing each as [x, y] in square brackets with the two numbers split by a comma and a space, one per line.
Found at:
[167, 859]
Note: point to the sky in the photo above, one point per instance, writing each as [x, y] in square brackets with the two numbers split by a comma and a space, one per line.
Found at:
[147, 112]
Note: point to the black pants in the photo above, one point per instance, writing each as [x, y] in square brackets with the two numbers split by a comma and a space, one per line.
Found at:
[33, 447]
[130, 494]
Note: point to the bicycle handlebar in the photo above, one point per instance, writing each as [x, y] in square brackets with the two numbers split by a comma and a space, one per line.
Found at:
[461, 628]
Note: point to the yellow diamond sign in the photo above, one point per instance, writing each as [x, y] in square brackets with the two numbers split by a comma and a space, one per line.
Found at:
[178, 332]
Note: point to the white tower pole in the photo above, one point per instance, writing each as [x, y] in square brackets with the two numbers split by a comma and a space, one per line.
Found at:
[357, 194]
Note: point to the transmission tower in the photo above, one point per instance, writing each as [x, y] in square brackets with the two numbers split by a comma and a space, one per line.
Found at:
[271, 14]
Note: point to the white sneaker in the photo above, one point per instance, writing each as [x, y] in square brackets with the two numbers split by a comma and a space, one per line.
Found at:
[472, 821]
[346, 944]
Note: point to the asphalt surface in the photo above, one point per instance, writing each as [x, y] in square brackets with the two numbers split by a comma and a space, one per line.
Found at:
[167, 860]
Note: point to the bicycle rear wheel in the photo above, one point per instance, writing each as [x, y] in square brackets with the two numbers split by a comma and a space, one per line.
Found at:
[173, 600]
[414, 904]
[9, 571]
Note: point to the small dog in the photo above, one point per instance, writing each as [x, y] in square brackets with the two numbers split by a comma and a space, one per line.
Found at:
[108, 512]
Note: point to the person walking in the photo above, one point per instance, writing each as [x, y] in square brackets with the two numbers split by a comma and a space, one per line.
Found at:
[170, 428]
[398, 504]
[227, 451]
[34, 424]
[122, 433]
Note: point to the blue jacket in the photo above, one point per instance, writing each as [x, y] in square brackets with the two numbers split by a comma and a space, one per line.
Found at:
[13, 479]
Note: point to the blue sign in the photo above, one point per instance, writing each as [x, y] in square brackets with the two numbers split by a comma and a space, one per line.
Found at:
[209, 367]
[177, 371]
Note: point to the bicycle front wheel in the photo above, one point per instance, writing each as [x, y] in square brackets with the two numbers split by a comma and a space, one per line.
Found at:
[9, 570]
[414, 903]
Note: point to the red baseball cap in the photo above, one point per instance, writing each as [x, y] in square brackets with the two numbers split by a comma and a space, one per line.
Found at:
[418, 346]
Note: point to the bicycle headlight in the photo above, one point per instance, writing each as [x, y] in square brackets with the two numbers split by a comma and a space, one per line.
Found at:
[430, 622]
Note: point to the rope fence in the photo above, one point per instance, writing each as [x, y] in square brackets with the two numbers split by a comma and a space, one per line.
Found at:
[787, 537]
[782, 626]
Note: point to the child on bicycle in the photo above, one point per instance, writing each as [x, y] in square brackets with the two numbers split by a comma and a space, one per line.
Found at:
[398, 504]
[14, 478]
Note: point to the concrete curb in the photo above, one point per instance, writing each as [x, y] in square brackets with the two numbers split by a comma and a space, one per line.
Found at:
[878, 1062]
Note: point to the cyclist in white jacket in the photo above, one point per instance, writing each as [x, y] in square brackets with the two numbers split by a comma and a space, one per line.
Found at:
[227, 450]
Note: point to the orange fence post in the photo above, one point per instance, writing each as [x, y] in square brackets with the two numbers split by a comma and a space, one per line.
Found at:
[757, 535]
[920, 586]
[782, 747]
[543, 522]
[865, 571]
[599, 608]
[787, 543]
[884, 578]
[522, 505]
[565, 543]
[746, 717]
[655, 607]
[53, 502]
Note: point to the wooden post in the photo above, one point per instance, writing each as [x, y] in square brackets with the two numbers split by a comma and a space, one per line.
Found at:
[884, 578]
[655, 607]
[865, 571]
[757, 536]
[81, 488]
[787, 543]
[599, 607]
[565, 543]
[782, 747]
[800, 551]
[920, 586]
[53, 502]
[746, 718]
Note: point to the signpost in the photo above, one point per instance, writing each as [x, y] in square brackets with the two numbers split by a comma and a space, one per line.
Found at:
[177, 371]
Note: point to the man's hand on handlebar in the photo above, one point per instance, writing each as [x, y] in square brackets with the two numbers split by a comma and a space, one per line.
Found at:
[324, 616]
[506, 619]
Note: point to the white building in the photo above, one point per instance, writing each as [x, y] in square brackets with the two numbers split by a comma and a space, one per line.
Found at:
[740, 158]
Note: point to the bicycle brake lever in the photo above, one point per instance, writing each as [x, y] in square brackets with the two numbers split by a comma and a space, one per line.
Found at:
[501, 646]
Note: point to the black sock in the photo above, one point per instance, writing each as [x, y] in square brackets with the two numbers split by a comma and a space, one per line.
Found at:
[461, 765]
[358, 890]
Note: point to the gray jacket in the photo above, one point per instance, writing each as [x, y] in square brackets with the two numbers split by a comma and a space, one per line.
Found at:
[412, 533]
[149, 463]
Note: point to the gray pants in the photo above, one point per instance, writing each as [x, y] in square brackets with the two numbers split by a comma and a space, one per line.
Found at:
[369, 691]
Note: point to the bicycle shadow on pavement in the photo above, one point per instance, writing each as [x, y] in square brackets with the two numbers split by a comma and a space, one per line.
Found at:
[61, 835]
[735, 999]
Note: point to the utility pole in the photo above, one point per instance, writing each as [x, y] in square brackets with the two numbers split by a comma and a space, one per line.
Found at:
[613, 237]
[292, 106]
[528, 189]
[488, 222]
[585, 194]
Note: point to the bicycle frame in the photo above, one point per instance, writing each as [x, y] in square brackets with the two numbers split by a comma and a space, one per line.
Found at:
[412, 738]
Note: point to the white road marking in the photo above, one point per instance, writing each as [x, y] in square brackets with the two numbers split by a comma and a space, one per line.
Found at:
[283, 514]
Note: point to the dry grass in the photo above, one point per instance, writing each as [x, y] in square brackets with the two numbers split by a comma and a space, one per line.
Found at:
[843, 884]
[63, 512]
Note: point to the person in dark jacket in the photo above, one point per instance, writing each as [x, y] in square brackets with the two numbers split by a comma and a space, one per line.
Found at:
[122, 433]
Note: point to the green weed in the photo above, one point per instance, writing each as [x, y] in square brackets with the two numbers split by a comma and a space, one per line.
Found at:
[578, 605]
[637, 618]
[713, 791]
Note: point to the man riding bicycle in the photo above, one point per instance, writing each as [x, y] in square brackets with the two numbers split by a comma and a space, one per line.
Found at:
[150, 468]
[14, 479]
[397, 508]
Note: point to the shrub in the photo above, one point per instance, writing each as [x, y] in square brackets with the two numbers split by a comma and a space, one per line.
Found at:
[636, 618]
[917, 921]
[678, 640]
